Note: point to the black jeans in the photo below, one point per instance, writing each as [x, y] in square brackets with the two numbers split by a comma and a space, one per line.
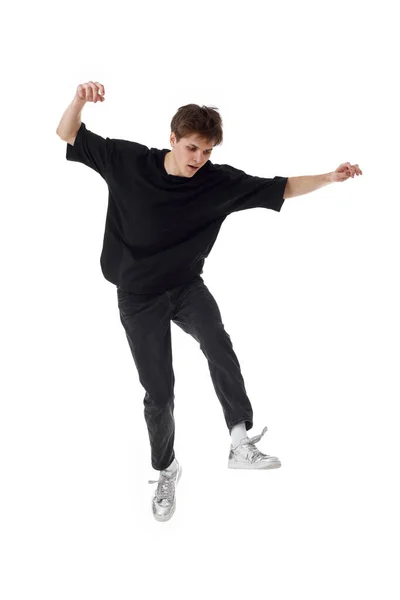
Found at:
[147, 323]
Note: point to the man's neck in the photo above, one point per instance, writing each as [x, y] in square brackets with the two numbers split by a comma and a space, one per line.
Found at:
[169, 164]
[166, 162]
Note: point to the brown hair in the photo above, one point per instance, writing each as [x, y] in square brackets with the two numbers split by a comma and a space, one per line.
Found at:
[202, 120]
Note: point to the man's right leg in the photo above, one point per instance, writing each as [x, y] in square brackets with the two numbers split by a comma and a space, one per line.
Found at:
[146, 320]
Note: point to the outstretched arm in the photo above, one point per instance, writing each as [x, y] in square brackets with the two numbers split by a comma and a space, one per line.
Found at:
[296, 186]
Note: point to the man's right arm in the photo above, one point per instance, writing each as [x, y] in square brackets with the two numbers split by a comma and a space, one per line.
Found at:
[71, 121]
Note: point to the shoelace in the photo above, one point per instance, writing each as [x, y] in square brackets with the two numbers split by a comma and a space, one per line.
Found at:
[255, 453]
[257, 438]
[165, 488]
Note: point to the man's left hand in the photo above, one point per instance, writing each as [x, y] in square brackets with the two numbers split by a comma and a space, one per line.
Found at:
[344, 171]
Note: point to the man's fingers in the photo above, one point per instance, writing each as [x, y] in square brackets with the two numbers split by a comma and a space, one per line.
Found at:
[101, 88]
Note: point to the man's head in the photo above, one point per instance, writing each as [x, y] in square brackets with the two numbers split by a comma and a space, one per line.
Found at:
[195, 131]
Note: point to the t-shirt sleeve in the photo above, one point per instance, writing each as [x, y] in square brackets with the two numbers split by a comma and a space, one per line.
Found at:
[241, 191]
[91, 149]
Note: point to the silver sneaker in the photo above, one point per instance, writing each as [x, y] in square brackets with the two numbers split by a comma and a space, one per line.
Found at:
[164, 498]
[247, 456]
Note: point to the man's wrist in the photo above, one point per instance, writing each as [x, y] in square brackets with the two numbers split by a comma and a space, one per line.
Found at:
[77, 102]
[328, 177]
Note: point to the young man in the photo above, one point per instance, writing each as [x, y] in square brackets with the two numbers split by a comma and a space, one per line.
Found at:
[165, 210]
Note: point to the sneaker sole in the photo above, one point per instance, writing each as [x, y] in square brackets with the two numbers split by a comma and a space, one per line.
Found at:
[161, 518]
[255, 467]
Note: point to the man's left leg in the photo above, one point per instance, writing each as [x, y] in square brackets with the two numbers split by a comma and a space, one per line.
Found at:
[197, 313]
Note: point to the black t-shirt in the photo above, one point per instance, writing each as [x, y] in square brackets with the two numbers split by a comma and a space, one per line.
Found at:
[159, 227]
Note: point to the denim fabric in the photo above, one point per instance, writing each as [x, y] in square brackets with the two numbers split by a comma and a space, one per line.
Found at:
[147, 322]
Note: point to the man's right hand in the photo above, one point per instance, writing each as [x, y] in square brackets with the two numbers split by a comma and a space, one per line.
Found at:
[90, 92]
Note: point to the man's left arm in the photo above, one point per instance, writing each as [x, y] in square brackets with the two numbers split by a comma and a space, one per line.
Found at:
[296, 186]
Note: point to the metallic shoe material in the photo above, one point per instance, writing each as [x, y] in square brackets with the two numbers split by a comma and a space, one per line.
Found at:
[247, 456]
[164, 498]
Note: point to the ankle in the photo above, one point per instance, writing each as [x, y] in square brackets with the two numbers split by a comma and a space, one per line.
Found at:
[173, 466]
[238, 433]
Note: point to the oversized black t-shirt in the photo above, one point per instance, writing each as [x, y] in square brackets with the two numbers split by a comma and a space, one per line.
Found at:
[160, 227]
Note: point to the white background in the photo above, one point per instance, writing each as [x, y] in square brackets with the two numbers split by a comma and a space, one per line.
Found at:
[309, 296]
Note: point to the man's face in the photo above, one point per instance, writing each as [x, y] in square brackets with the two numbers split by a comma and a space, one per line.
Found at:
[191, 150]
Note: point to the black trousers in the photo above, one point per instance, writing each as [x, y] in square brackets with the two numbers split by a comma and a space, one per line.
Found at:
[147, 323]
